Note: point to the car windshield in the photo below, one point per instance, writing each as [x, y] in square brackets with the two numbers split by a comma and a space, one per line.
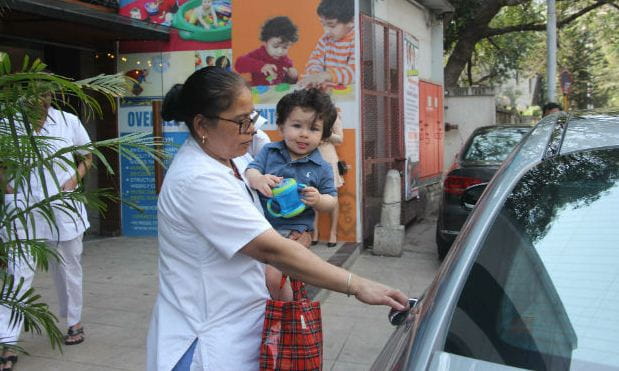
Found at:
[543, 293]
[493, 145]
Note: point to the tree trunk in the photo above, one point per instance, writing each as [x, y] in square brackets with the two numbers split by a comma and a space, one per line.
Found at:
[457, 60]
[475, 31]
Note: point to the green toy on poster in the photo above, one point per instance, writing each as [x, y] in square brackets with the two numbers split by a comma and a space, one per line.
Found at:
[204, 20]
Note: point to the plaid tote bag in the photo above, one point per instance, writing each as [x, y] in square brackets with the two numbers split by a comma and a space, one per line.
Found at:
[292, 333]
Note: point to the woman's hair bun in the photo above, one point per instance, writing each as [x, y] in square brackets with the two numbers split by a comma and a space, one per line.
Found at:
[171, 108]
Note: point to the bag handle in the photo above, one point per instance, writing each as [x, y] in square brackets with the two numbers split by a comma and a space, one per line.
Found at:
[298, 288]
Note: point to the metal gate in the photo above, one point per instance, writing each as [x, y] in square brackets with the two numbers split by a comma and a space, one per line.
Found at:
[381, 114]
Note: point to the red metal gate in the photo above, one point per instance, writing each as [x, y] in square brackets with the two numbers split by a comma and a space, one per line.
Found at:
[381, 113]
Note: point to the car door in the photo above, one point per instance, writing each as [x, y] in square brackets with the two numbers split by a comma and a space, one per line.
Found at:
[540, 292]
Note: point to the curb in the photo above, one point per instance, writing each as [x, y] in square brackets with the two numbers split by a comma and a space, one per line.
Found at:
[344, 257]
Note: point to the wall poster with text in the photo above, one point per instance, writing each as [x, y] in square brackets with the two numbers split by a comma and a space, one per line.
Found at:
[155, 67]
[411, 115]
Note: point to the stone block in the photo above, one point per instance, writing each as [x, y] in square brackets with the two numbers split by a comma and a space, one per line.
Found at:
[388, 240]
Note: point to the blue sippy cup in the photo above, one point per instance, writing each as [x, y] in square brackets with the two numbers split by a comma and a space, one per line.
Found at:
[287, 196]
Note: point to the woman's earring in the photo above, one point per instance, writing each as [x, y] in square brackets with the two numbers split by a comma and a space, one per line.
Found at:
[203, 139]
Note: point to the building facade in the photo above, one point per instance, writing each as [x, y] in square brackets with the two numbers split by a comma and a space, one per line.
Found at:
[391, 104]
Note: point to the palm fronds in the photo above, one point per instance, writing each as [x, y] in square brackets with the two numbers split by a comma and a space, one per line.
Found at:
[25, 157]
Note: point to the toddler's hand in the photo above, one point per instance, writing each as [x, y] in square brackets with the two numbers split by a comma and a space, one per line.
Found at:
[269, 70]
[311, 196]
[304, 239]
[292, 73]
[315, 80]
[264, 184]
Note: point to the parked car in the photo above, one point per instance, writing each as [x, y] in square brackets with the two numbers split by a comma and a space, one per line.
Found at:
[531, 282]
[476, 163]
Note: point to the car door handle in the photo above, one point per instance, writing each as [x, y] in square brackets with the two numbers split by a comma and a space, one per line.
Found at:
[396, 317]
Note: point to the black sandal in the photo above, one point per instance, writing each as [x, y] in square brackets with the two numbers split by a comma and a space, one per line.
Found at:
[74, 332]
[12, 359]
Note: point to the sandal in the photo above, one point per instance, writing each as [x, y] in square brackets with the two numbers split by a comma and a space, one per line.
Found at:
[74, 332]
[12, 359]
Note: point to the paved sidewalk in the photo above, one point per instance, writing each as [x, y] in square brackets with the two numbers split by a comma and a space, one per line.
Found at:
[121, 284]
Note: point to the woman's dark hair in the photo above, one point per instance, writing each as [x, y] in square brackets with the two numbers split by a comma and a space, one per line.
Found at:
[341, 10]
[208, 91]
[281, 27]
[313, 99]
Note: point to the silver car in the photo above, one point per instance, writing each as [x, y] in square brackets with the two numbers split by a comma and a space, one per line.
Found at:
[532, 281]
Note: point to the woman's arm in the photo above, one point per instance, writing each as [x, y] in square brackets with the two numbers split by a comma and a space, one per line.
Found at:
[300, 263]
[82, 168]
[273, 280]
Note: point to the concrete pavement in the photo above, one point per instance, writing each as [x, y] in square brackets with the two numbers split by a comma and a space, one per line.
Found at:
[121, 284]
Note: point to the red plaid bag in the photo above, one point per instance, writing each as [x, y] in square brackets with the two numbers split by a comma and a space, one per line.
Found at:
[292, 333]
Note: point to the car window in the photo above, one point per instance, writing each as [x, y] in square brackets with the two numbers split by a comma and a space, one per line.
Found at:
[494, 145]
[543, 292]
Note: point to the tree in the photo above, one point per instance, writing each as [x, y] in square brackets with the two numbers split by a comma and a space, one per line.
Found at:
[585, 91]
[22, 155]
[477, 21]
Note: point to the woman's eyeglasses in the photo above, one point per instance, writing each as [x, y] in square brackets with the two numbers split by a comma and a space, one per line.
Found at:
[244, 124]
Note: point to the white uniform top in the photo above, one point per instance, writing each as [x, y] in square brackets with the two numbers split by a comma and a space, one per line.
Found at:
[64, 130]
[259, 139]
[207, 290]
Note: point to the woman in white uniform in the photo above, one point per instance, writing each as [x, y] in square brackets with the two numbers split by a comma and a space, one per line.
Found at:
[65, 236]
[214, 241]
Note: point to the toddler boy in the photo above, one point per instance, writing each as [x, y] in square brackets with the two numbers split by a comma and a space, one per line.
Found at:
[304, 118]
[270, 64]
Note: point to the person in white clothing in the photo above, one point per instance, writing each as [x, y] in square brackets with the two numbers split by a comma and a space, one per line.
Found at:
[64, 130]
[260, 137]
[214, 241]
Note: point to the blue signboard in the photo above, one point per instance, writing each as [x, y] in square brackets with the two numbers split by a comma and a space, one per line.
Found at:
[137, 183]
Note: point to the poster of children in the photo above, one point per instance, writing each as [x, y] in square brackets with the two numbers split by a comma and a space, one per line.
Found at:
[220, 58]
[199, 20]
[155, 73]
[286, 45]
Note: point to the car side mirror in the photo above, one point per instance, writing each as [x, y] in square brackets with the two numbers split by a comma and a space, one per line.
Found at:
[472, 194]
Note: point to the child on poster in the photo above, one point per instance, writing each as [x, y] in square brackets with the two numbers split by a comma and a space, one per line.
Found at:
[332, 62]
[270, 64]
[205, 15]
[304, 118]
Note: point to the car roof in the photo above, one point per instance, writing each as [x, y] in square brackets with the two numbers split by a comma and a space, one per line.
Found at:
[502, 126]
[563, 133]
[590, 130]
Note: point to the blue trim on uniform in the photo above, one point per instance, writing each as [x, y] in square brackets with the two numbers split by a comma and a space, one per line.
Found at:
[184, 363]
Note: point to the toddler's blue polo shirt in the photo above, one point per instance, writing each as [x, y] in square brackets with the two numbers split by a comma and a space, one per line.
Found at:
[311, 170]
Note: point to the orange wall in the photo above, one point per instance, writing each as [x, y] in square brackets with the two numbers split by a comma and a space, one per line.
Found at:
[347, 221]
